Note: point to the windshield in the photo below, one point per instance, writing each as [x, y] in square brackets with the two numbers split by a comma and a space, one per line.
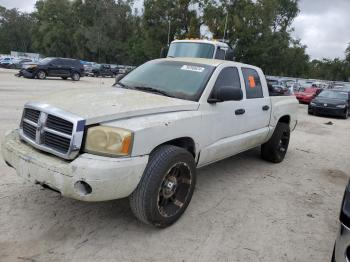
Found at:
[190, 49]
[334, 95]
[178, 79]
[46, 60]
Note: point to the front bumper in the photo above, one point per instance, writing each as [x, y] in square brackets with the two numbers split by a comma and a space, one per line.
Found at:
[109, 178]
[342, 244]
[327, 110]
[28, 74]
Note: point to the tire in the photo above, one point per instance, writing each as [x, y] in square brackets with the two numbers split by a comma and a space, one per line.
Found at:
[75, 76]
[276, 148]
[346, 114]
[41, 74]
[64, 77]
[159, 198]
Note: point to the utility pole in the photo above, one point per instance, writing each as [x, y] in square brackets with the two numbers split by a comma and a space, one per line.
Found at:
[169, 33]
[225, 30]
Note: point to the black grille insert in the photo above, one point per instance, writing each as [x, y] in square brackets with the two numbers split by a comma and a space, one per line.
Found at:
[31, 114]
[61, 144]
[59, 124]
[29, 130]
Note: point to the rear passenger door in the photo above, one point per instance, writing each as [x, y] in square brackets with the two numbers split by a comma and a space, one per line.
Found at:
[257, 104]
[66, 67]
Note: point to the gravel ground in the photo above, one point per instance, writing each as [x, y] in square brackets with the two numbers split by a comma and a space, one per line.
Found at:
[243, 209]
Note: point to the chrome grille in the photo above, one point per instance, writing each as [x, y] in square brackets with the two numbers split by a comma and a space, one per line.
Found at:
[52, 130]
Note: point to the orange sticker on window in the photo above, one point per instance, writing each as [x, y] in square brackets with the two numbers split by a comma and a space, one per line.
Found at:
[251, 81]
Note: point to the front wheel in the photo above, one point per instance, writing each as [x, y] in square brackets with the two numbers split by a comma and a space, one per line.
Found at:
[75, 76]
[166, 187]
[276, 148]
[346, 114]
[41, 74]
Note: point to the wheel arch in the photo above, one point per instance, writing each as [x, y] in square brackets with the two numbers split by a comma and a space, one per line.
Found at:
[284, 119]
[42, 69]
[186, 143]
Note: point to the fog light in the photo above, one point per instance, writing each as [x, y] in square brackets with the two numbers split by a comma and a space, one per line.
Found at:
[82, 188]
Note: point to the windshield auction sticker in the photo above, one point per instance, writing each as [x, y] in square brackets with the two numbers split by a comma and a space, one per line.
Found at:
[193, 68]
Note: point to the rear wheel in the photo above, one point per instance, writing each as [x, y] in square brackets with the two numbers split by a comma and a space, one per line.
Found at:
[346, 114]
[276, 148]
[41, 74]
[166, 187]
[75, 76]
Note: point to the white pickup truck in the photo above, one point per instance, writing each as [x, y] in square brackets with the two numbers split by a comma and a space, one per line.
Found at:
[145, 138]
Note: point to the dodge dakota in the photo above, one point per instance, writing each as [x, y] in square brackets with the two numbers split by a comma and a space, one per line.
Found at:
[146, 137]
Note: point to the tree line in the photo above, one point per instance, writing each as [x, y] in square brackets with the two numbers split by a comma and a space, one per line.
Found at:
[113, 31]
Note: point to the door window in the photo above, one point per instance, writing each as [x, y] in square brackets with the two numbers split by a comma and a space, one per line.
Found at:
[252, 83]
[228, 77]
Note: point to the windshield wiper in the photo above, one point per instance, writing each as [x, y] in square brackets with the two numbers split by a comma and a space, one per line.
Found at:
[152, 90]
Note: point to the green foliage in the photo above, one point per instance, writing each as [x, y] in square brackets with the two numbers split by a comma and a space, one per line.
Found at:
[347, 54]
[335, 70]
[15, 31]
[110, 31]
[259, 32]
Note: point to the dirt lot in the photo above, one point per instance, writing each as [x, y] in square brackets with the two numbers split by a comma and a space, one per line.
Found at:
[243, 209]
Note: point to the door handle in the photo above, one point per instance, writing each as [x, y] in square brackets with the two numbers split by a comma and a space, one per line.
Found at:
[240, 111]
[265, 108]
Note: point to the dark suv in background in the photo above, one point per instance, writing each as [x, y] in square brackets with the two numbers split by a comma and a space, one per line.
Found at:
[52, 66]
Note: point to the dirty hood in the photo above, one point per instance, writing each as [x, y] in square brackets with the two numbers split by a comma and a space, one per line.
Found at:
[98, 105]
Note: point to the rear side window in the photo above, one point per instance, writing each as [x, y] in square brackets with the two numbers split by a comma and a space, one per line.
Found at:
[228, 77]
[62, 62]
[252, 83]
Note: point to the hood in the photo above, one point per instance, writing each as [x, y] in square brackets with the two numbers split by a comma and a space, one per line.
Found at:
[332, 101]
[98, 105]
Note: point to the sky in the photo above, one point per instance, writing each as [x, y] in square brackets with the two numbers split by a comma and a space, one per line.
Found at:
[322, 25]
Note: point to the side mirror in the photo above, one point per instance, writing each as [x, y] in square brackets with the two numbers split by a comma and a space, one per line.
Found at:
[226, 93]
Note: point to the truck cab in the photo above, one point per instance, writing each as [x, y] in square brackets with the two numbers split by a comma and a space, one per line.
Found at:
[199, 48]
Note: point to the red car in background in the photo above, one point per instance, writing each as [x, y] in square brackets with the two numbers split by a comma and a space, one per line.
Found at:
[305, 95]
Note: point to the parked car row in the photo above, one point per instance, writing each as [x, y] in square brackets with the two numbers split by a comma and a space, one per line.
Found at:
[106, 70]
[53, 67]
[331, 102]
[65, 68]
[13, 63]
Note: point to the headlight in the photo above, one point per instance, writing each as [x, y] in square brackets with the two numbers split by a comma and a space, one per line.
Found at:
[108, 141]
[341, 106]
